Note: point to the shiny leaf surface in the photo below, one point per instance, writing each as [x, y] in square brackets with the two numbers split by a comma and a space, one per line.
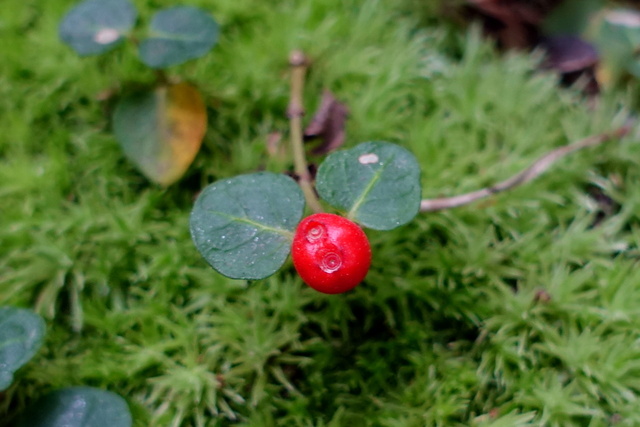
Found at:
[78, 407]
[21, 335]
[376, 183]
[243, 226]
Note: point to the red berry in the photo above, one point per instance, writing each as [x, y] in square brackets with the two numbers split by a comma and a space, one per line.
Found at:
[331, 253]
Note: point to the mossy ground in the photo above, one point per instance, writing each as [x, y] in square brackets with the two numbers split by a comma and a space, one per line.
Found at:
[520, 310]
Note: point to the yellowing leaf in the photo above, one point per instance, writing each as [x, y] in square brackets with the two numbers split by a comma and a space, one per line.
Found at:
[161, 130]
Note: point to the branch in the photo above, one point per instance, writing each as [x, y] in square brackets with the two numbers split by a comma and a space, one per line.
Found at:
[536, 169]
[298, 63]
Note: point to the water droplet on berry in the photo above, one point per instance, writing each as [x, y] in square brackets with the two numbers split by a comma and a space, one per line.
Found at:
[331, 262]
[315, 232]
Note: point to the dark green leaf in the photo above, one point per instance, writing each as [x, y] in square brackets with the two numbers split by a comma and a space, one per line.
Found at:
[376, 183]
[243, 226]
[571, 17]
[21, 334]
[96, 26]
[178, 34]
[78, 407]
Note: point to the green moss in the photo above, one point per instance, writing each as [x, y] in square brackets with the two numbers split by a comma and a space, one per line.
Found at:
[514, 311]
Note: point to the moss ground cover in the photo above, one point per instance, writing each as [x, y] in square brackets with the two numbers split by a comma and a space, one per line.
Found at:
[521, 310]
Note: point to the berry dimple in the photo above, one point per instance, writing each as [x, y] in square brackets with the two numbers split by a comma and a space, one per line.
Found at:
[331, 253]
[330, 262]
[315, 231]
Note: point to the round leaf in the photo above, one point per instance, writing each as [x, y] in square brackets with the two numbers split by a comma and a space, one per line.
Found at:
[96, 26]
[178, 34]
[21, 334]
[377, 183]
[244, 226]
[78, 407]
[161, 131]
[617, 36]
[571, 17]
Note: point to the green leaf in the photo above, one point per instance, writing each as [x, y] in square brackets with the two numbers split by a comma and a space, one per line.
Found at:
[21, 335]
[97, 26]
[617, 37]
[161, 130]
[243, 226]
[78, 407]
[376, 183]
[571, 17]
[178, 34]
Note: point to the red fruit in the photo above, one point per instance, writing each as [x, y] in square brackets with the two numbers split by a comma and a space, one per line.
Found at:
[331, 253]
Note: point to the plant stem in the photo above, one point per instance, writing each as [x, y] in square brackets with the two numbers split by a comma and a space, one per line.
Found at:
[298, 63]
[162, 78]
[536, 169]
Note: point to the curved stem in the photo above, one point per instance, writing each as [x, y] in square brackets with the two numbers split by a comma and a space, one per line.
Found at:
[161, 77]
[298, 63]
[536, 169]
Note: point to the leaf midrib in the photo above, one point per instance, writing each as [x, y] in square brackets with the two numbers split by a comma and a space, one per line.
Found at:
[376, 177]
[288, 234]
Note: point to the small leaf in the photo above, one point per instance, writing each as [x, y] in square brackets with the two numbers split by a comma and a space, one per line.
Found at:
[78, 407]
[377, 183]
[21, 335]
[617, 37]
[328, 123]
[178, 34]
[244, 226]
[569, 54]
[575, 59]
[97, 26]
[512, 23]
[161, 131]
[571, 17]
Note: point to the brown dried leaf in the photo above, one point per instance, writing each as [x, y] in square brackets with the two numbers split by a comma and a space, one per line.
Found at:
[514, 23]
[328, 124]
[606, 205]
[275, 147]
[542, 296]
[575, 59]
[568, 54]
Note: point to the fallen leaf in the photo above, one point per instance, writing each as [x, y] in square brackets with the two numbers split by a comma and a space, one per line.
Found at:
[542, 296]
[514, 23]
[606, 206]
[575, 59]
[328, 124]
[161, 130]
[568, 54]
[275, 147]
